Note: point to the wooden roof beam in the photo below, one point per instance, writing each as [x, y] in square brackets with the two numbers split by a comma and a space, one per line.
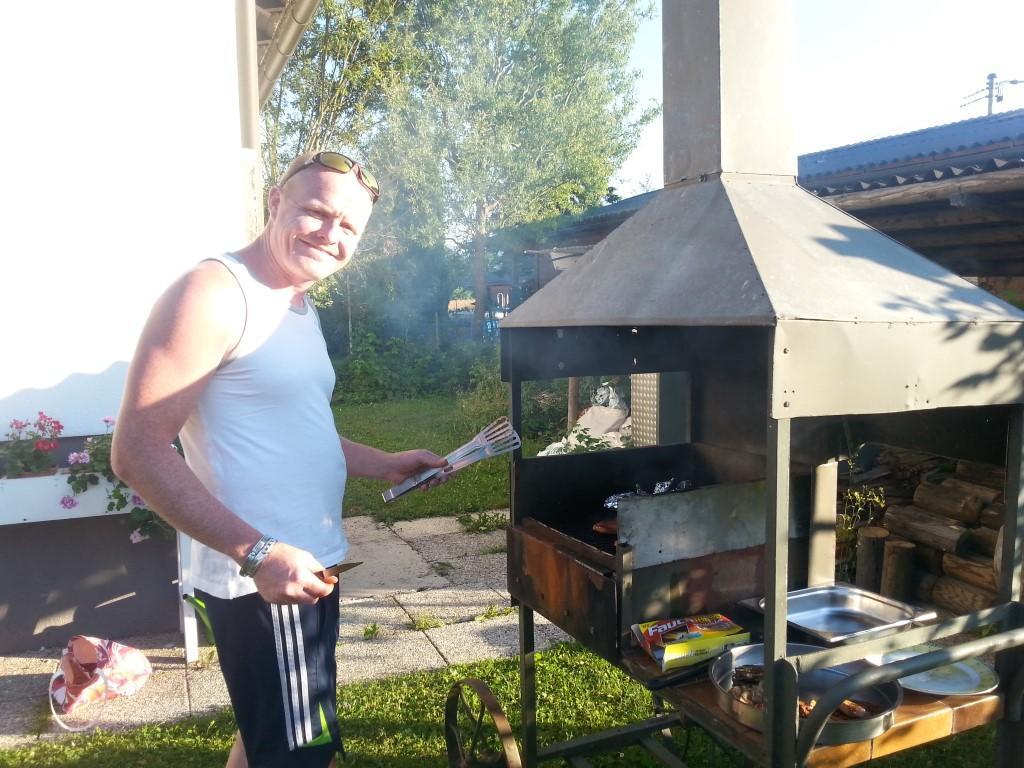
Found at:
[941, 238]
[930, 219]
[974, 202]
[931, 191]
[982, 253]
[984, 267]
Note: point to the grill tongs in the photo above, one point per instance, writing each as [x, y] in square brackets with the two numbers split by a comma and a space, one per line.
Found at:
[496, 438]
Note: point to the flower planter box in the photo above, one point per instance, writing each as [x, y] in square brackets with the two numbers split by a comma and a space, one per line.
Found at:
[37, 499]
[76, 571]
[84, 576]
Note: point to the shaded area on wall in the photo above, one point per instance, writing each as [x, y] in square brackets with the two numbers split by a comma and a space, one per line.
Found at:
[84, 577]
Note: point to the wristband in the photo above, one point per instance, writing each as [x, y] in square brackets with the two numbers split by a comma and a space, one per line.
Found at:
[256, 556]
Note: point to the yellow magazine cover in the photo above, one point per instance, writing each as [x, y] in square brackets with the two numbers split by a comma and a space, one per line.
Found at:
[682, 642]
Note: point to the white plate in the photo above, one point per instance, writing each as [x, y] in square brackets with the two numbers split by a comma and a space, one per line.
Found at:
[959, 679]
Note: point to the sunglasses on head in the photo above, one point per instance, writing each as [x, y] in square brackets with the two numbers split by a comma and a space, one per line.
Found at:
[336, 161]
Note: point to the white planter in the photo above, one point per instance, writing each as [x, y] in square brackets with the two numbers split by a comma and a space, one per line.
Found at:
[37, 499]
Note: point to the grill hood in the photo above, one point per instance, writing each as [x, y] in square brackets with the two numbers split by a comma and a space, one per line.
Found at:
[733, 241]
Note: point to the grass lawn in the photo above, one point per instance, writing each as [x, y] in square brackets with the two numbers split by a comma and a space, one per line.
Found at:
[398, 722]
[434, 423]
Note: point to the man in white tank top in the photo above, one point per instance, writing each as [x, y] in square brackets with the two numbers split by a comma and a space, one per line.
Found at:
[233, 361]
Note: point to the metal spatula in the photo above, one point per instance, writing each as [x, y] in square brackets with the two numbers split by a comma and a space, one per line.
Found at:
[496, 438]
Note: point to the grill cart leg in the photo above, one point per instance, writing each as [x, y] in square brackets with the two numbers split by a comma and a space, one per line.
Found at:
[528, 686]
[476, 731]
[1010, 730]
[1010, 664]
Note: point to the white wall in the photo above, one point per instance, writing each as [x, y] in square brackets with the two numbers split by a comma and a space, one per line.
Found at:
[121, 167]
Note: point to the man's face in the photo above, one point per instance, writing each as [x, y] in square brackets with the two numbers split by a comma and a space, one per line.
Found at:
[315, 223]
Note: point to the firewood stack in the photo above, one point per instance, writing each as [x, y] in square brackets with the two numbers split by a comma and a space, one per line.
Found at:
[938, 544]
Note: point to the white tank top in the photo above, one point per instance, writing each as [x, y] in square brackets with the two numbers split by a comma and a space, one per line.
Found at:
[262, 437]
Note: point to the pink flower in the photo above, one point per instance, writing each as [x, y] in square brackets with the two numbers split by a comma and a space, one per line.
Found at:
[18, 424]
[68, 502]
[136, 536]
[78, 458]
[108, 420]
[137, 500]
[45, 445]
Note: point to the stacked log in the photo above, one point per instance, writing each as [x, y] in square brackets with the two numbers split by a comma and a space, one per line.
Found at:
[923, 527]
[950, 501]
[982, 474]
[982, 492]
[983, 541]
[898, 570]
[993, 515]
[952, 527]
[961, 597]
[870, 553]
[973, 569]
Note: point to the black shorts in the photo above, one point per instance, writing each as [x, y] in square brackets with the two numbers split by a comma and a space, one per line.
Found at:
[279, 665]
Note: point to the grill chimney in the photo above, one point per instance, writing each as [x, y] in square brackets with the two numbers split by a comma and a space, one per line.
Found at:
[727, 76]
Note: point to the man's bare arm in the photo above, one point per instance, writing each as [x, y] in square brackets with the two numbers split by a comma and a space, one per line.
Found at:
[190, 330]
[366, 461]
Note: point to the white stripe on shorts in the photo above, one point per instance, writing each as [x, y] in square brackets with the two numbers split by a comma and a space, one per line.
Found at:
[291, 666]
[282, 670]
[300, 655]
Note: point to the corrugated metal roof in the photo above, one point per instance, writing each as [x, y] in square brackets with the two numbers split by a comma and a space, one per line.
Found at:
[967, 147]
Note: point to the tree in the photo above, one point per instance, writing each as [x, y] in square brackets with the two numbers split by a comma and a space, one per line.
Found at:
[521, 112]
[334, 89]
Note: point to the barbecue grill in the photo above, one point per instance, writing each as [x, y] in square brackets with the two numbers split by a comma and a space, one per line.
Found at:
[779, 332]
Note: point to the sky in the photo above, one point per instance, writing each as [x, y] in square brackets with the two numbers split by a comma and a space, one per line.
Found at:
[867, 69]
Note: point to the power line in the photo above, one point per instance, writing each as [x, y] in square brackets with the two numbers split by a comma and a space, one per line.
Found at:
[992, 92]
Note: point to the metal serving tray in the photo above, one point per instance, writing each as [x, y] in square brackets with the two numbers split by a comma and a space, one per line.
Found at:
[843, 613]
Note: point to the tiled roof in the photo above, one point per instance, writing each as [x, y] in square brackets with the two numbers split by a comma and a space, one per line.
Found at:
[967, 147]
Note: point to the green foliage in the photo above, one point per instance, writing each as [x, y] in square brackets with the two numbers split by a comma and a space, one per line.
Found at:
[860, 506]
[483, 522]
[371, 632]
[487, 396]
[424, 621]
[85, 474]
[388, 369]
[40, 717]
[494, 612]
[586, 442]
[545, 404]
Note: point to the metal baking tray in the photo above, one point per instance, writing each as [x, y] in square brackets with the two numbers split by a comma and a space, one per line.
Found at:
[842, 613]
[885, 697]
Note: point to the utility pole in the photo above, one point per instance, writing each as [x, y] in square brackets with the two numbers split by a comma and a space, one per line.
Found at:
[992, 92]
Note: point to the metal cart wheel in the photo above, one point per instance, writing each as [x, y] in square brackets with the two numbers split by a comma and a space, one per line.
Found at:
[476, 731]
